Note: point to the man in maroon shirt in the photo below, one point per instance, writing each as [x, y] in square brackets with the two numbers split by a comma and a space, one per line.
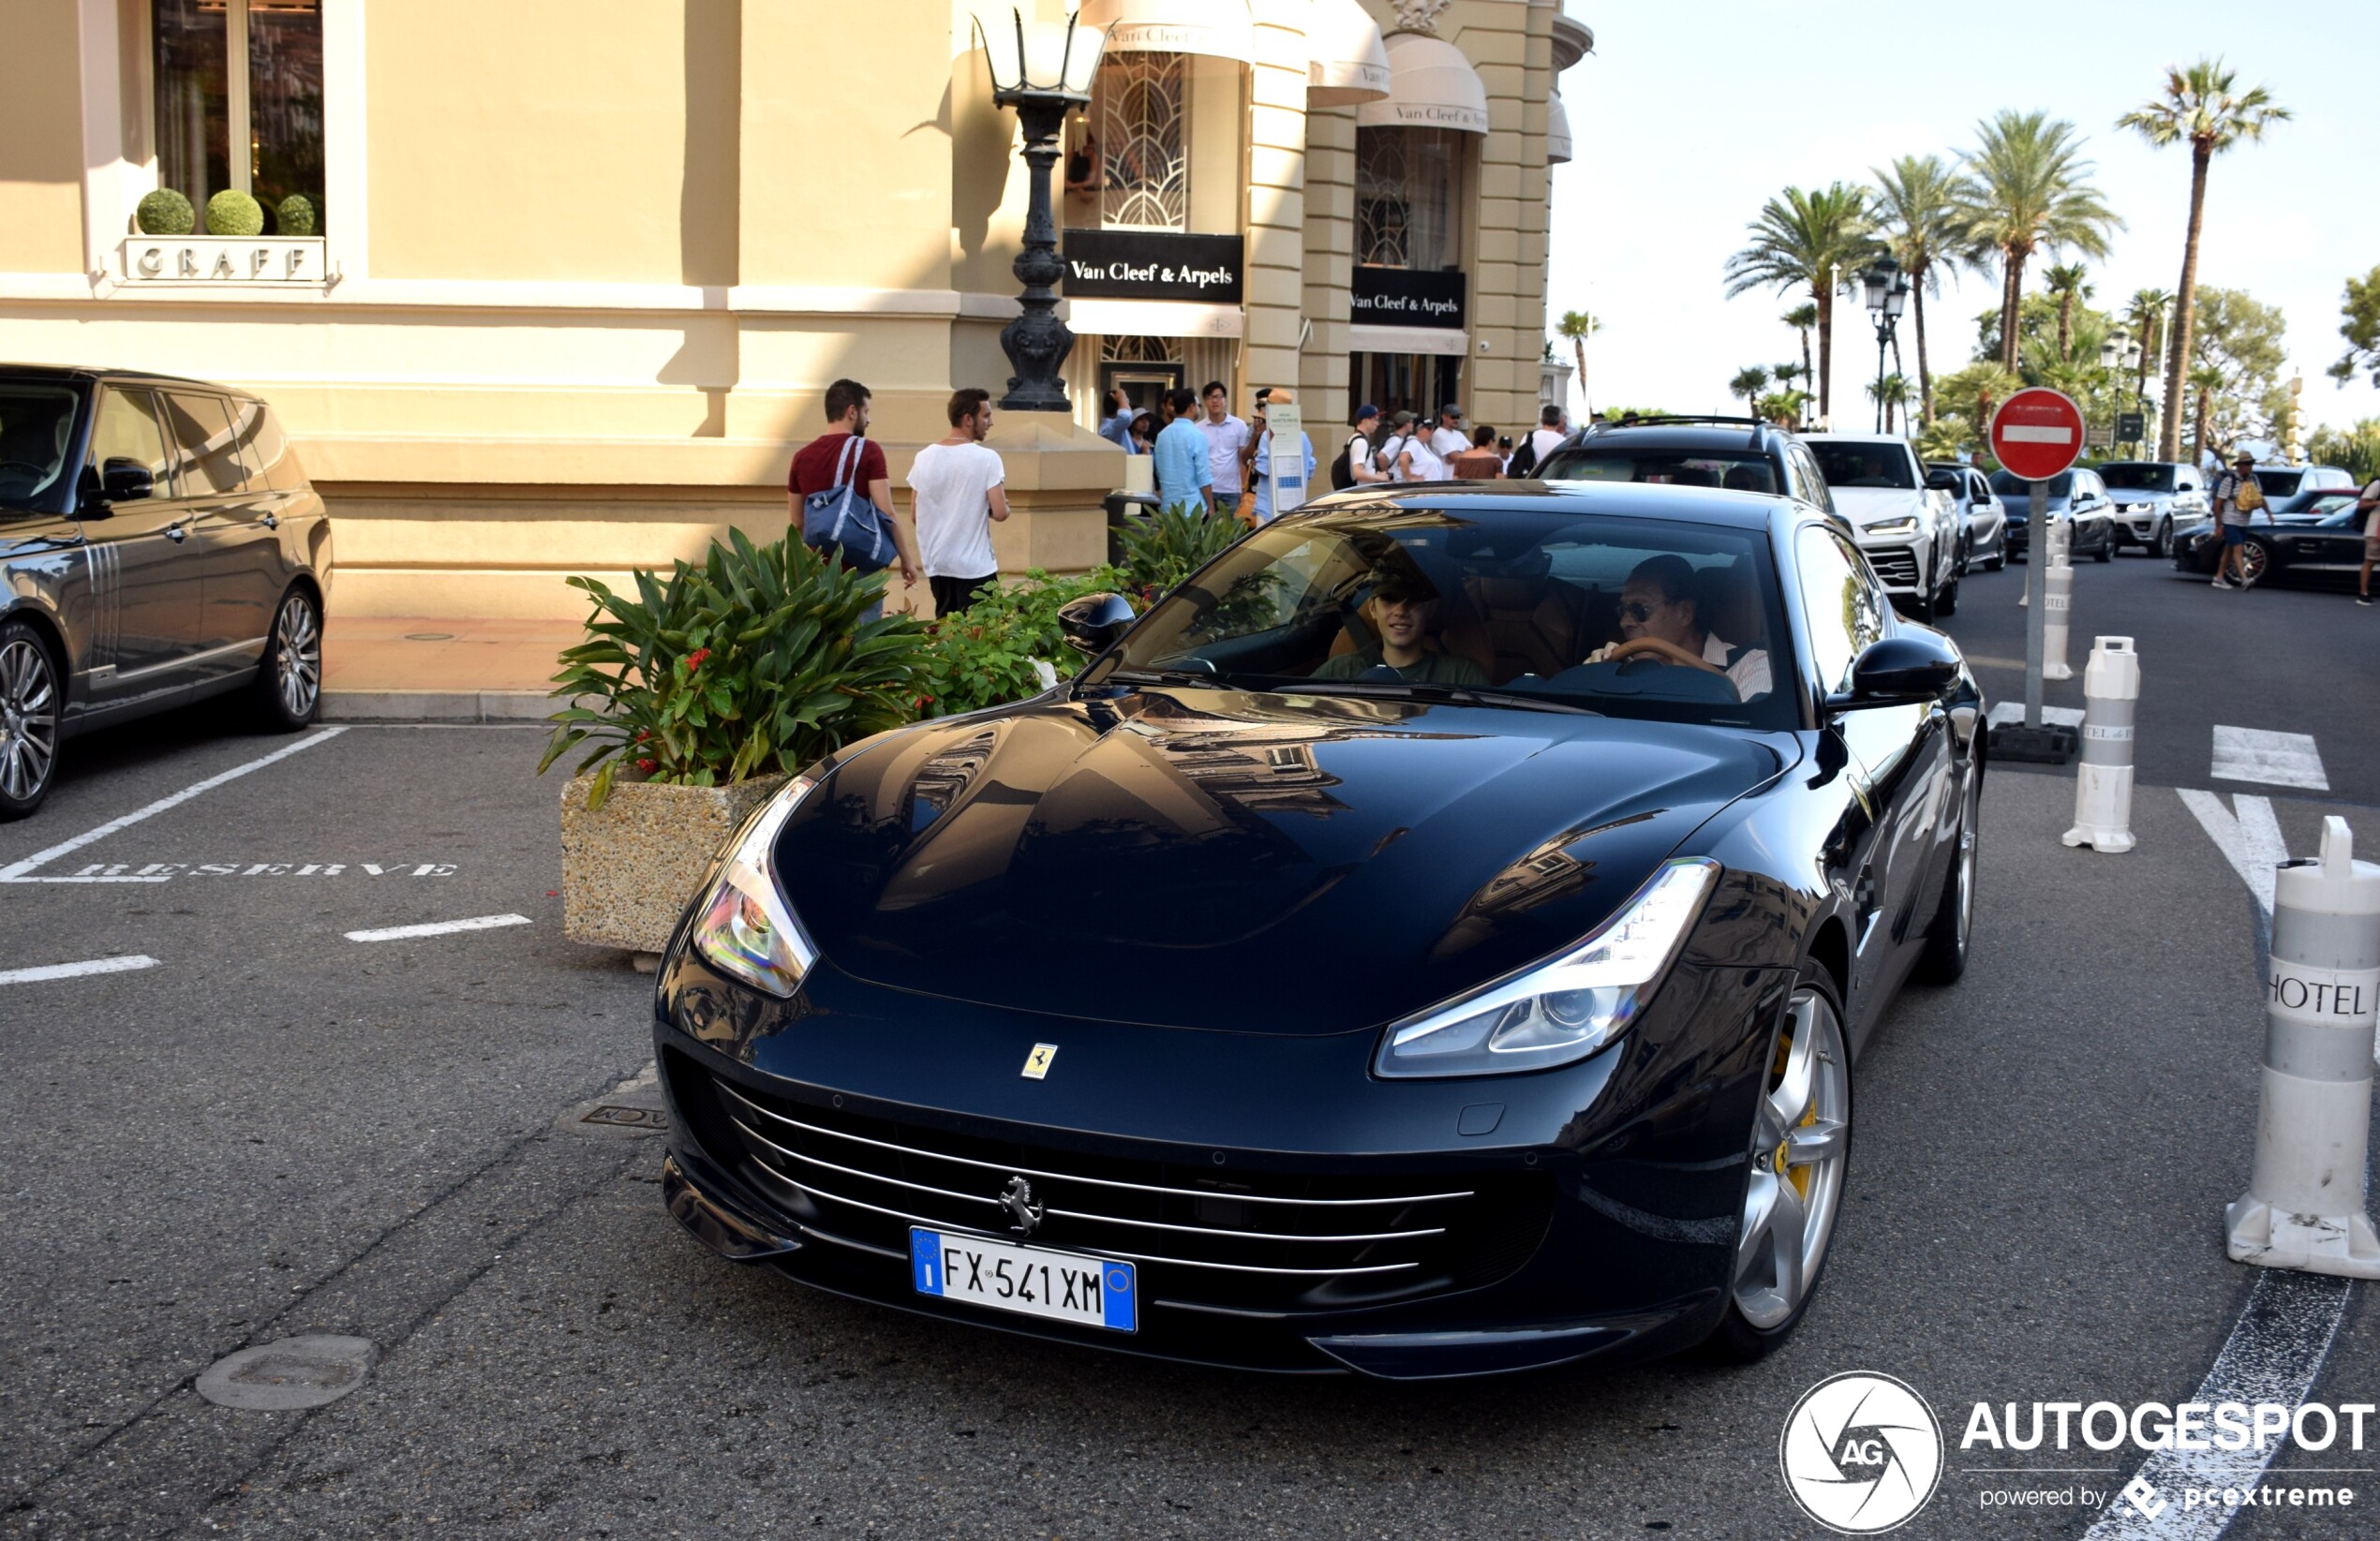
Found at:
[815, 463]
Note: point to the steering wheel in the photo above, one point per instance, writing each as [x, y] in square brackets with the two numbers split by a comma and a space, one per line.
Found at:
[1651, 649]
[34, 466]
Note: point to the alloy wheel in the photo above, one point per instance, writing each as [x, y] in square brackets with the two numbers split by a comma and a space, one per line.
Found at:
[297, 657]
[28, 718]
[2253, 558]
[2163, 546]
[1800, 1142]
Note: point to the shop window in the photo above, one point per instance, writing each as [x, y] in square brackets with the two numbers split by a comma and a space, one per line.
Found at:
[1408, 197]
[239, 101]
[1139, 141]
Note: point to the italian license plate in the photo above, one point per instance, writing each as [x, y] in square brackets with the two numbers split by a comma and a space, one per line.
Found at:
[1031, 1280]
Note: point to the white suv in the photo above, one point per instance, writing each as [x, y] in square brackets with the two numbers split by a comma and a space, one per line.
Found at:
[1909, 531]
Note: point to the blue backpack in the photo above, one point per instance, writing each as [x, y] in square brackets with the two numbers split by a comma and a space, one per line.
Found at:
[842, 522]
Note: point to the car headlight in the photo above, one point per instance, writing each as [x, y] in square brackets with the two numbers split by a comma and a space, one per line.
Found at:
[746, 928]
[1906, 525]
[1567, 1007]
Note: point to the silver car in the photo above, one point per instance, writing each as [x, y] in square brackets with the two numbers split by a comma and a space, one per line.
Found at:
[1982, 521]
[2151, 498]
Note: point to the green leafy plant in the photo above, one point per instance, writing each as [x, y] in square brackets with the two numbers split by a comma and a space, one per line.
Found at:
[754, 663]
[985, 654]
[232, 211]
[294, 216]
[166, 211]
[1171, 544]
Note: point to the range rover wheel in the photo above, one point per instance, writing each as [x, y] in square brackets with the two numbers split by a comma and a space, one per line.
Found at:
[288, 686]
[29, 714]
[1800, 1151]
[2162, 543]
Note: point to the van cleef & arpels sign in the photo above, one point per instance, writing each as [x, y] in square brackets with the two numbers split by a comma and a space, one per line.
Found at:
[1406, 297]
[1153, 265]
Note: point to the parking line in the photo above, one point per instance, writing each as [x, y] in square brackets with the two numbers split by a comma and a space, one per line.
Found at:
[437, 928]
[16, 871]
[75, 970]
[2275, 759]
[2250, 842]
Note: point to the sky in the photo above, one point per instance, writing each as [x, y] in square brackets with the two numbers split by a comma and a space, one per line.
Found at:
[1688, 116]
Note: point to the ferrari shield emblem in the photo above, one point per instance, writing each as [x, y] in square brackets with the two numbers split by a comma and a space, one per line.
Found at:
[1038, 1062]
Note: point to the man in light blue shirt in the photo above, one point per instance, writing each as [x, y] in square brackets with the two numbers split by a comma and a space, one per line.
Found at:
[1116, 426]
[1184, 477]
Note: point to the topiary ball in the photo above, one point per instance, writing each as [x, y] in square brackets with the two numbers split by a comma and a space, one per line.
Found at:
[295, 214]
[166, 211]
[234, 212]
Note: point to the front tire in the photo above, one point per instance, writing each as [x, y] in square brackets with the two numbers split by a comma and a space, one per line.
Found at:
[30, 703]
[2107, 551]
[2162, 543]
[1800, 1152]
[2255, 561]
[289, 686]
[1950, 935]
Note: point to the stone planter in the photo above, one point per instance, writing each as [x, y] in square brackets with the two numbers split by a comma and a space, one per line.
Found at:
[630, 869]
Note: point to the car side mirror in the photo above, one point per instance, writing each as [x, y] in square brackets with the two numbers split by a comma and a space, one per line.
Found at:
[1942, 481]
[1896, 670]
[123, 480]
[1096, 622]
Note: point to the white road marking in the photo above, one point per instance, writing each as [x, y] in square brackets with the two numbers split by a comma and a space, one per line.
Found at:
[2274, 1354]
[2277, 760]
[2005, 712]
[16, 871]
[75, 970]
[437, 928]
[2250, 842]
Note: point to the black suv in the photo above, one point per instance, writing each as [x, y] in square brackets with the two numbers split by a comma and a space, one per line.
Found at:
[1744, 455]
[158, 545]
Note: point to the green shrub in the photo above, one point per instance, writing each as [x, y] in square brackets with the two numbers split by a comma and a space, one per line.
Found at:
[754, 663]
[1169, 546]
[984, 655]
[166, 211]
[234, 213]
[294, 216]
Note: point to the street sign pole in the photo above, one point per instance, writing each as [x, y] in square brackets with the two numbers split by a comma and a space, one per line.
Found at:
[2037, 604]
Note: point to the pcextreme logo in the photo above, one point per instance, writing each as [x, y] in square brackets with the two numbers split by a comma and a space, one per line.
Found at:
[1861, 1452]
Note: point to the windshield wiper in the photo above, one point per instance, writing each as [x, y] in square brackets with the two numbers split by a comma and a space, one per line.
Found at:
[1460, 694]
[1161, 676]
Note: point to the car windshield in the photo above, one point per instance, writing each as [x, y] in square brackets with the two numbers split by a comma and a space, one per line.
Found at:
[35, 424]
[2278, 482]
[2009, 484]
[1746, 471]
[2138, 476]
[1617, 615]
[1864, 465]
[2334, 508]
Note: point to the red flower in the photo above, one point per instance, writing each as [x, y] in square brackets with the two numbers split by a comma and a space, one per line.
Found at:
[646, 768]
[696, 660]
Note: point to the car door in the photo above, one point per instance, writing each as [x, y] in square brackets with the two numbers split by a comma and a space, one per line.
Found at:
[244, 569]
[143, 572]
[214, 486]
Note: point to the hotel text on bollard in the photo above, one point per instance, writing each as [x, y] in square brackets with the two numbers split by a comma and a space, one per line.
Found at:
[2304, 1204]
[2103, 782]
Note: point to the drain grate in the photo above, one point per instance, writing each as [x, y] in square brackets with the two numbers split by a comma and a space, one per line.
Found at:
[616, 1117]
[292, 1373]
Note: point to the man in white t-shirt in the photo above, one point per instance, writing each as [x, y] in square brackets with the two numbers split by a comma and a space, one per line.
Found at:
[1553, 427]
[1409, 456]
[1453, 434]
[957, 481]
[1227, 444]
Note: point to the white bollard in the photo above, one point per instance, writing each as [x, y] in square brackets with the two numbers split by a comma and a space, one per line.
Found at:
[2060, 596]
[2102, 783]
[2304, 1204]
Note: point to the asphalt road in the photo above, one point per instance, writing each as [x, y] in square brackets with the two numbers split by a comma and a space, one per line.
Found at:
[276, 1130]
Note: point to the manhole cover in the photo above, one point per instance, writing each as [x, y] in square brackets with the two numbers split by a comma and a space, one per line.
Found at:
[626, 1118]
[633, 1108]
[295, 1372]
[429, 636]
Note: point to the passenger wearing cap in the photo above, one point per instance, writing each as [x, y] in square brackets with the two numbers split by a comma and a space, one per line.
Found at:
[1659, 621]
[1403, 611]
[2237, 495]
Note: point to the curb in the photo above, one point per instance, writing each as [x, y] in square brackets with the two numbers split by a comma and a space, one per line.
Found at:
[437, 705]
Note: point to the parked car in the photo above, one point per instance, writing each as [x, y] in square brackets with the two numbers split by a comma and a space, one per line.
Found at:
[2152, 498]
[1744, 455]
[1982, 523]
[2317, 537]
[160, 544]
[2282, 480]
[1425, 1010]
[1906, 528]
[2077, 500]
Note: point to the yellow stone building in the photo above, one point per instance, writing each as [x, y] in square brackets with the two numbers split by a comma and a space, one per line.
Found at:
[548, 286]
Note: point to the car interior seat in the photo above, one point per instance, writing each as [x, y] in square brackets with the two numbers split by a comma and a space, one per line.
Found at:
[1750, 478]
[1727, 604]
[1536, 624]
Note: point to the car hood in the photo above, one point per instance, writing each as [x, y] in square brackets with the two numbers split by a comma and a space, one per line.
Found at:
[1863, 506]
[1243, 862]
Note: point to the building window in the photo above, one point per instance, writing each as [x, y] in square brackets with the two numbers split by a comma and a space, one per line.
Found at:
[1408, 197]
[239, 101]
[1139, 134]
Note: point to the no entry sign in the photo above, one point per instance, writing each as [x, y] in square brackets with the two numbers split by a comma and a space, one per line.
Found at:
[2037, 433]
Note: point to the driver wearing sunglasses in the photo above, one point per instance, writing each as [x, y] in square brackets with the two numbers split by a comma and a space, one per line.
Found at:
[1659, 622]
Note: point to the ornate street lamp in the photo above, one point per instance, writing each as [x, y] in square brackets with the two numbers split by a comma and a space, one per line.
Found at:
[1044, 69]
[1886, 290]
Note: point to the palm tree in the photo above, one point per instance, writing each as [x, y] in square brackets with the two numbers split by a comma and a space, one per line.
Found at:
[1748, 383]
[2198, 105]
[1889, 393]
[1813, 241]
[2027, 188]
[2147, 312]
[1916, 197]
[1578, 326]
[2067, 283]
[1801, 318]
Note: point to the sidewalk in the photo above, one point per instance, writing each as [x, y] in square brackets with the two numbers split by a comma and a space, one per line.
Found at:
[399, 668]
